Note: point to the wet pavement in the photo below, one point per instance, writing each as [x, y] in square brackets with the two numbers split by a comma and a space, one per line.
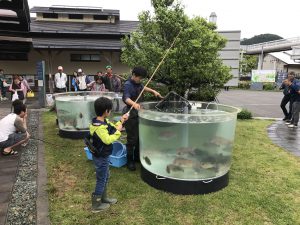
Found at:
[287, 138]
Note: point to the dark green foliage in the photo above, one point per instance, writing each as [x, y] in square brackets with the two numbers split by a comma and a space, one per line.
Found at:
[206, 93]
[244, 115]
[269, 86]
[192, 64]
[248, 63]
[260, 39]
[161, 88]
[244, 84]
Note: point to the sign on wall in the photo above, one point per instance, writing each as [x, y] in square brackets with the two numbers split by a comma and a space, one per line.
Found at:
[263, 75]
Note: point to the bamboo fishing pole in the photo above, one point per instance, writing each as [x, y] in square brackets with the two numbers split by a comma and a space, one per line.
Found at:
[160, 63]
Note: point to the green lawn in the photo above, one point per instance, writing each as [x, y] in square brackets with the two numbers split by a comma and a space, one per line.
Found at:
[264, 187]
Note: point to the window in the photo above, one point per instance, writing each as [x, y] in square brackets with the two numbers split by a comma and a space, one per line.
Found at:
[14, 56]
[85, 57]
[50, 15]
[100, 17]
[76, 16]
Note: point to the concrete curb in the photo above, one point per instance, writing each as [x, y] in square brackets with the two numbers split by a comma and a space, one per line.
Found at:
[42, 203]
[267, 118]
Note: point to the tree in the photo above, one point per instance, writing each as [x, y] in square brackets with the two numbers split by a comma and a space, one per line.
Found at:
[193, 63]
[248, 63]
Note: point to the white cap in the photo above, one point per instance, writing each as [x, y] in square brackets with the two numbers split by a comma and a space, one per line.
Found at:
[79, 70]
[60, 68]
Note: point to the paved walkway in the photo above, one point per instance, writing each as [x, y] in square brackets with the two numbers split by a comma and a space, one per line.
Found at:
[287, 138]
[8, 170]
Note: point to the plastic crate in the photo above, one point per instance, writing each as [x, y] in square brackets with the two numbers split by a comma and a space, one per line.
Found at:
[118, 158]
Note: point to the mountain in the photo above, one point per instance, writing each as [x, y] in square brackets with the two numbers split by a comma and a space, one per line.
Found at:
[260, 38]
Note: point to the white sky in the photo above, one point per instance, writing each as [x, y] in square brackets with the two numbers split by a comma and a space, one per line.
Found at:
[251, 17]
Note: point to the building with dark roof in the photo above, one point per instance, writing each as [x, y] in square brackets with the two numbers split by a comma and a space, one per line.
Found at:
[75, 37]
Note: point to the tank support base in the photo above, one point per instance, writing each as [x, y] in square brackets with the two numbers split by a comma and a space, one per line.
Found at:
[184, 187]
[80, 134]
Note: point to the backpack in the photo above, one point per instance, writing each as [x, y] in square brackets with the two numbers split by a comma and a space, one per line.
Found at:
[94, 143]
[88, 140]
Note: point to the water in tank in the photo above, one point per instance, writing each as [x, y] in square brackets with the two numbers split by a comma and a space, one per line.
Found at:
[187, 146]
[75, 110]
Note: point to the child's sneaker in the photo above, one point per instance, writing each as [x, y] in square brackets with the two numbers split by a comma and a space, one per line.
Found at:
[288, 122]
[292, 126]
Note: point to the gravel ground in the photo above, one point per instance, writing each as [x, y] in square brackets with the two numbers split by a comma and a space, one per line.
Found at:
[22, 207]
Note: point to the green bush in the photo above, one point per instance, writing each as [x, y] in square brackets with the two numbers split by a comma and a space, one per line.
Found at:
[205, 94]
[244, 115]
[269, 86]
[244, 84]
[161, 88]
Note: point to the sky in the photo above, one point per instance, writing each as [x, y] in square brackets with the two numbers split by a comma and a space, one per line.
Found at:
[250, 17]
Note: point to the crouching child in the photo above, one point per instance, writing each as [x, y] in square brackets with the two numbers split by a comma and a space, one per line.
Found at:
[103, 134]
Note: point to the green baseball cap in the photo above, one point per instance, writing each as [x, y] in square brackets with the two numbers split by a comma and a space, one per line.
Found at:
[108, 67]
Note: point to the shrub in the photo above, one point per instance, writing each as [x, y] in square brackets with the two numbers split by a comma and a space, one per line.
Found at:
[244, 84]
[244, 115]
[161, 88]
[269, 86]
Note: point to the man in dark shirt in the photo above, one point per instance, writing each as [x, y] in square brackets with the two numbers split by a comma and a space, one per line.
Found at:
[285, 100]
[132, 89]
[287, 97]
[294, 90]
[108, 78]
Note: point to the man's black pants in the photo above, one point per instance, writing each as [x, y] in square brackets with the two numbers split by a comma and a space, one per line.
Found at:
[132, 130]
[285, 100]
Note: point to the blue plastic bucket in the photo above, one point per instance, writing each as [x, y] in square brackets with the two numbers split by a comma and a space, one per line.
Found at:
[118, 158]
[118, 149]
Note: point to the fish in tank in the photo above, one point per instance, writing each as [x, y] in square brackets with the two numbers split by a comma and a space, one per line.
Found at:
[194, 146]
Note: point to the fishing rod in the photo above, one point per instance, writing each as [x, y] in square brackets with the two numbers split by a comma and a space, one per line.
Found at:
[160, 63]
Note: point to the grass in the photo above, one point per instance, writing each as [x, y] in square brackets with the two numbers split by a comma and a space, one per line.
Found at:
[264, 187]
